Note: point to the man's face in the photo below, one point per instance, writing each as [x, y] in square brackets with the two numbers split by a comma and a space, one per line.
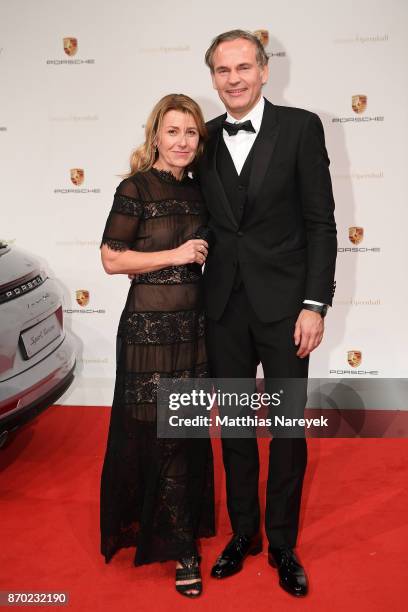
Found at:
[237, 76]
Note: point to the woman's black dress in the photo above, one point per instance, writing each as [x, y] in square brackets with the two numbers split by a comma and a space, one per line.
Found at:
[156, 494]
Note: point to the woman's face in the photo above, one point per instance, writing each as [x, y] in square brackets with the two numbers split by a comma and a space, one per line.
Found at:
[177, 140]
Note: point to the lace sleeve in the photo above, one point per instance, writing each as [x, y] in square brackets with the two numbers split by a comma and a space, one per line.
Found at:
[124, 217]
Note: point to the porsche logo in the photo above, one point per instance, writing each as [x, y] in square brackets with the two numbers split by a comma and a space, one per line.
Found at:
[262, 35]
[82, 297]
[77, 176]
[354, 358]
[356, 234]
[359, 104]
[70, 45]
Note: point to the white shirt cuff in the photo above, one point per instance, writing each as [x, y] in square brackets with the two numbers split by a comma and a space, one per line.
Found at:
[313, 302]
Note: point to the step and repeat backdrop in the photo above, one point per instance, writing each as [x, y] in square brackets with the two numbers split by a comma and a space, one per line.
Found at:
[78, 80]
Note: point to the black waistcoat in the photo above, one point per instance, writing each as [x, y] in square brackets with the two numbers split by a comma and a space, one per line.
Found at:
[235, 185]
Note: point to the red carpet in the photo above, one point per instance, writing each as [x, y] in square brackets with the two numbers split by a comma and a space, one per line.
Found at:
[353, 539]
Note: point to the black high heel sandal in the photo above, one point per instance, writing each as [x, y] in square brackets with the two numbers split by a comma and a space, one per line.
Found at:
[189, 571]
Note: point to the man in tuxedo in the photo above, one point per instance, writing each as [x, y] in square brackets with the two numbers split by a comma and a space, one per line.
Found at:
[269, 279]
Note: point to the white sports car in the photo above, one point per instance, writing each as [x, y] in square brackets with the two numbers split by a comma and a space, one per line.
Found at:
[37, 356]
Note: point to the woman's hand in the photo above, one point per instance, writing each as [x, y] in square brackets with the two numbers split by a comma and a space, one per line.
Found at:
[192, 251]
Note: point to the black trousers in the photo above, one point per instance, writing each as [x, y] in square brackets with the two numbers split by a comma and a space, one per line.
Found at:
[236, 344]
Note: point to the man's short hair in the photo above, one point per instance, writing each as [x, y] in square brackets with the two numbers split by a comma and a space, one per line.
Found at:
[261, 55]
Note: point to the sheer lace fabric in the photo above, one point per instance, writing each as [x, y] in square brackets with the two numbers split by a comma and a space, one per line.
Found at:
[156, 494]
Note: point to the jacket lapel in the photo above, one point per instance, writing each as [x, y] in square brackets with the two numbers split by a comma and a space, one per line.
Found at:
[263, 149]
[213, 184]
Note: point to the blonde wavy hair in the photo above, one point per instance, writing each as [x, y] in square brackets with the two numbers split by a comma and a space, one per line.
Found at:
[144, 157]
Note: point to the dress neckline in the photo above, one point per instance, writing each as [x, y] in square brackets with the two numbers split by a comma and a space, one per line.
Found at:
[168, 176]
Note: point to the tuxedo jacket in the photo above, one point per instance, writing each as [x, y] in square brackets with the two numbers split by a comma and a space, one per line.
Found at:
[285, 243]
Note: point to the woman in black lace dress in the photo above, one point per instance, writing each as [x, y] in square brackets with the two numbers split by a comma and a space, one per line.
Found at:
[157, 494]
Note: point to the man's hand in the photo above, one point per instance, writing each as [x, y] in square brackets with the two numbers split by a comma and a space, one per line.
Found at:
[309, 330]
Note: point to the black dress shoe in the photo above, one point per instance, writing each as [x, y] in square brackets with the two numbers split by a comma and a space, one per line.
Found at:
[292, 577]
[232, 557]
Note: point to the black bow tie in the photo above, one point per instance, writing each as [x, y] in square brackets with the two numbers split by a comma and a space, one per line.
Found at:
[234, 128]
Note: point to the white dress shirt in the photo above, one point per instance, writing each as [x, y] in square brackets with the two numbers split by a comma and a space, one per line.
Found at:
[240, 145]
